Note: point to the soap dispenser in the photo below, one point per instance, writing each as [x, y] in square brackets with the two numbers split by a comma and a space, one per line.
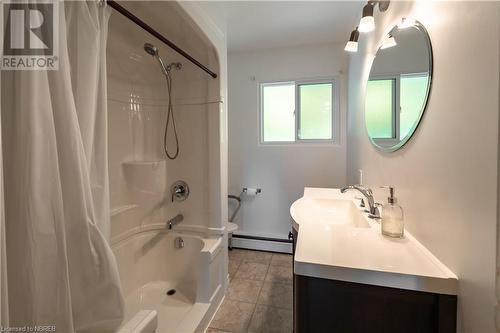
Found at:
[392, 224]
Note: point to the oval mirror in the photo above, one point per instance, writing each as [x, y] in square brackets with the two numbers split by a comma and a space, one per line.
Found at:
[398, 86]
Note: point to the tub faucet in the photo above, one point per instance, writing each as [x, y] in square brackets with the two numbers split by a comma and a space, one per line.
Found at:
[368, 194]
[175, 220]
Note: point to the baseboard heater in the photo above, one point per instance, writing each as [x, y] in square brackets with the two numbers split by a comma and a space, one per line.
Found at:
[280, 240]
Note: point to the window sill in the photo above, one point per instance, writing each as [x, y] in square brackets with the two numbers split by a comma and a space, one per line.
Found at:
[312, 143]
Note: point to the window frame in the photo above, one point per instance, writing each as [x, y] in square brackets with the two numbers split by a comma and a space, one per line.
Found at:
[395, 113]
[261, 113]
[396, 121]
[335, 112]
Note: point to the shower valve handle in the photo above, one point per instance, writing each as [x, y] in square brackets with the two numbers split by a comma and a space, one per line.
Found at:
[179, 191]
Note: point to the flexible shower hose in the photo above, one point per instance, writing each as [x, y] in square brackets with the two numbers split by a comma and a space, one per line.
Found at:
[170, 115]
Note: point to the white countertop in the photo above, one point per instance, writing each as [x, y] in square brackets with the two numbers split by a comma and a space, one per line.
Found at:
[342, 244]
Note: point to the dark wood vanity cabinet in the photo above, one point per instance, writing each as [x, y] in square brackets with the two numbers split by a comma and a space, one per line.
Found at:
[330, 306]
[322, 305]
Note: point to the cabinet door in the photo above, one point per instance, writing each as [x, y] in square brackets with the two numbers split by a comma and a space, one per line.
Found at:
[322, 305]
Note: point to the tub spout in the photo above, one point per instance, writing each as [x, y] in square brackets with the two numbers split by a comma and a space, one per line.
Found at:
[175, 220]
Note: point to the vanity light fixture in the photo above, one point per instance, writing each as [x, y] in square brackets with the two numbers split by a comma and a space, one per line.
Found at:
[407, 22]
[352, 44]
[389, 41]
[367, 22]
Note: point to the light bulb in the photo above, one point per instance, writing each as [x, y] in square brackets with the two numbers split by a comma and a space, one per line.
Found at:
[351, 46]
[367, 22]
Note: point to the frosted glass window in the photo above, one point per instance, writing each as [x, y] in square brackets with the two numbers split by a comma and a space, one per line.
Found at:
[298, 111]
[278, 110]
[315, 111]
[413, 89]
[379, 109]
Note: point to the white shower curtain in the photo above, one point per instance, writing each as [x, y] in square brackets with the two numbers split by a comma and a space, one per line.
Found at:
[4, 295]
[60, 268]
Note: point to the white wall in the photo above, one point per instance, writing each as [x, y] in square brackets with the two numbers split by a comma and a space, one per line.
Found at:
[281, 171]
[446, 176]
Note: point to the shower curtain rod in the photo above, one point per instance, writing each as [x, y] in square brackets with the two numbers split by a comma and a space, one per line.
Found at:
[113, 4]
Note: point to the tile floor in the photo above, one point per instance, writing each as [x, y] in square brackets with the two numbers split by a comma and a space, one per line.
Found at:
[260, 294]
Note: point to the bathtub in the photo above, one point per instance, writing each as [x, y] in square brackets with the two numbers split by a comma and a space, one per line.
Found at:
[168, 289]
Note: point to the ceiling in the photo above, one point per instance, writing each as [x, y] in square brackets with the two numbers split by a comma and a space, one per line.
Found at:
[252, 25]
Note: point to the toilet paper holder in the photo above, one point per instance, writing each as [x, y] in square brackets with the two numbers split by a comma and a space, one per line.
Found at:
[252, 191]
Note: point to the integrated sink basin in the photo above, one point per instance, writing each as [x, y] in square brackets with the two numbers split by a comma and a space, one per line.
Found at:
[328, 212]
[338, 241]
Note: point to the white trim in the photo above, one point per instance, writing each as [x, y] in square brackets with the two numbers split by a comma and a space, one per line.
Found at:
[208, 231]
[215, 304]
[202, 231]
[144, 321]
[335, 128]
[393, 74]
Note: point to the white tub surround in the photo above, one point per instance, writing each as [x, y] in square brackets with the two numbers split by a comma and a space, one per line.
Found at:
[141, 176]
[337, 241]
[150, 266]
[144, 321]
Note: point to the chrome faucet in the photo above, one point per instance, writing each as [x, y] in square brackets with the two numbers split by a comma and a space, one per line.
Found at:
[179, 191]
[175, 220]
[368, 194]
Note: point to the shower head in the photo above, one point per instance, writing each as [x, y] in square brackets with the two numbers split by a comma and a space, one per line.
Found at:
[151, 49]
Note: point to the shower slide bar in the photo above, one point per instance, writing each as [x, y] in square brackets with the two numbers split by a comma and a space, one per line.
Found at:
[113, 4]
